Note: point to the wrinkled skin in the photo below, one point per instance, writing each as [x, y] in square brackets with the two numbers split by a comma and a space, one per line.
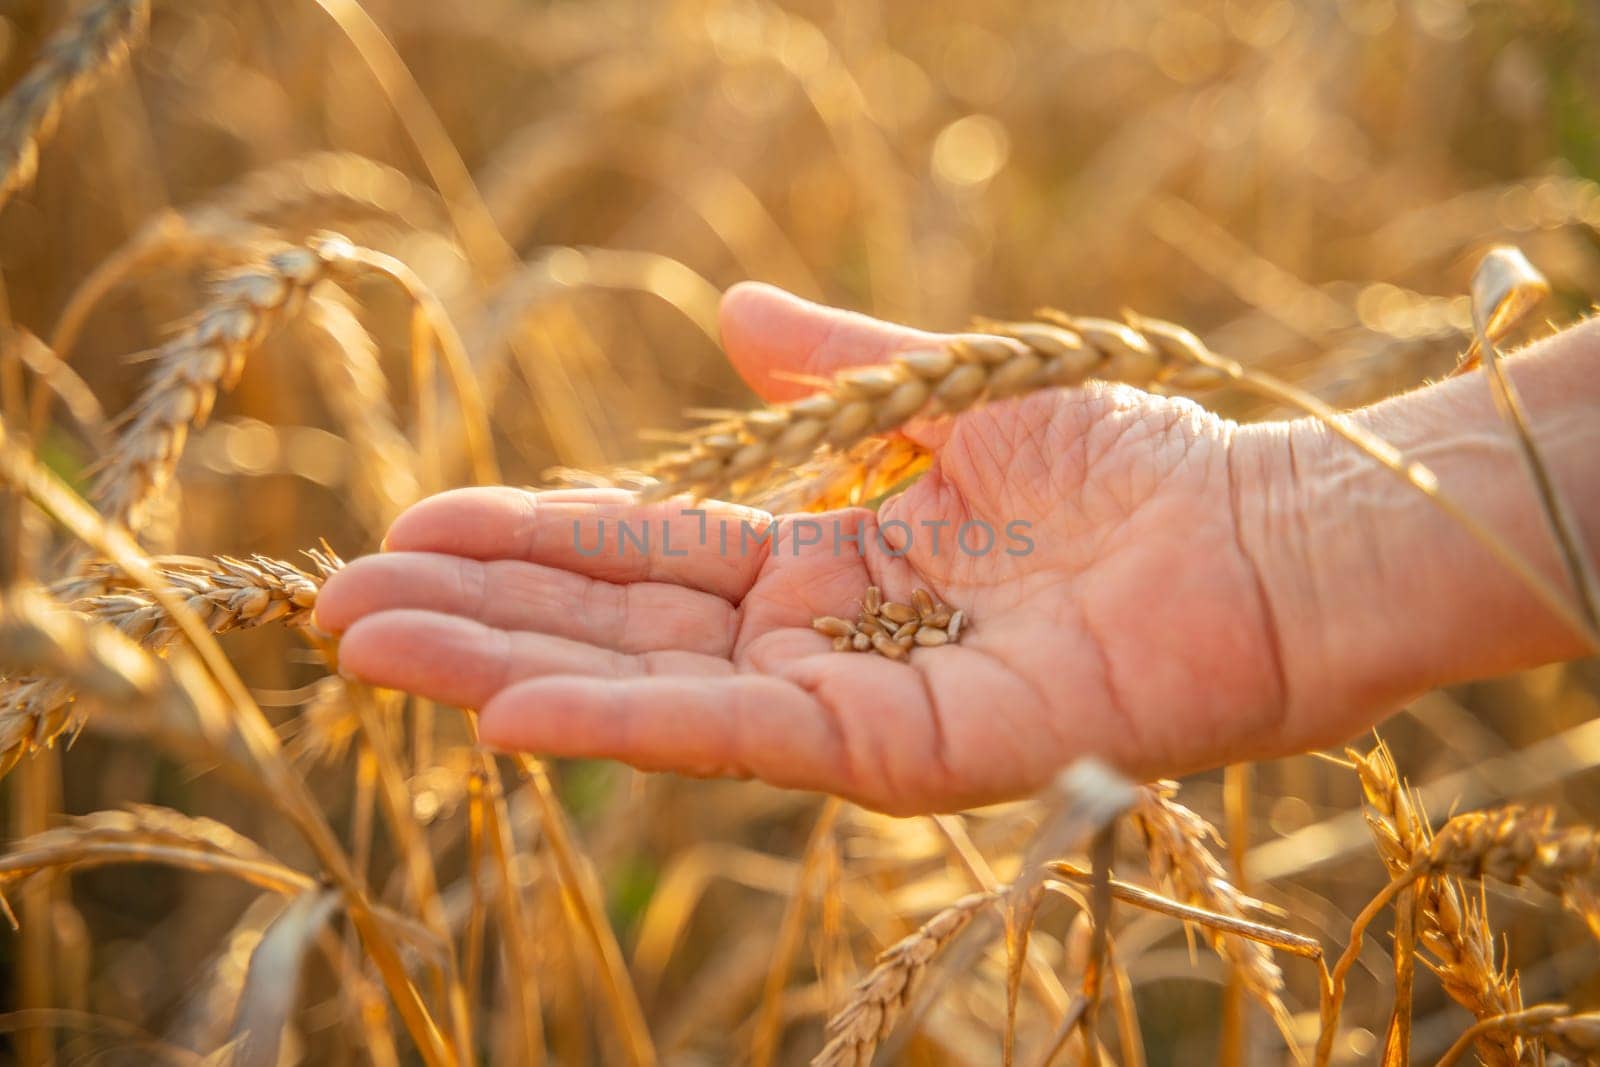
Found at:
[1135, 629]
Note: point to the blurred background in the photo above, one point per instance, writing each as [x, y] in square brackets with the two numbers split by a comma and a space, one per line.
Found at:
[1306, 185]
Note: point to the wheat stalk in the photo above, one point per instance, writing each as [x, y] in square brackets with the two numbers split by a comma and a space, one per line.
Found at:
[1576, 1037]
[205, 359]
[78, 55]
[878, 999]
[286, 790]
[1453, 930]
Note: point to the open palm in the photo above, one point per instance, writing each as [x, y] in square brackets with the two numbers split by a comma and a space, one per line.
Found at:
[1113, 609]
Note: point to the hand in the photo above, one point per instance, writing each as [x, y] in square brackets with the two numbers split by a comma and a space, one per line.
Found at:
[1135, 629]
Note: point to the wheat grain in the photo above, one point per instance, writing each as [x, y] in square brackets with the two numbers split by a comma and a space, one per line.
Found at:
[892, 629]
[205, 359]
[879, 998]
[1452, 929]
[83, 51]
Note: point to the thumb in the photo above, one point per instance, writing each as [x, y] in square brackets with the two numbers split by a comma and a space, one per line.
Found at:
[772, 336]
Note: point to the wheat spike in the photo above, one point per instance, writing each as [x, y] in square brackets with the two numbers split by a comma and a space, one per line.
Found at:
[849, 479]
[878, 999]
[1516, 844]
[1452, 929]
[234, 595]
[205, 359]
[1175, 840]
[740, 454]
[92, 44]
[57, 653]
[36, 708]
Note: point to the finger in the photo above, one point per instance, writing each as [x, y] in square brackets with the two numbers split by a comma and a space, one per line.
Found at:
[601, 533]
[740, 726]
[513, 595]
[770, 334]
[462, 662]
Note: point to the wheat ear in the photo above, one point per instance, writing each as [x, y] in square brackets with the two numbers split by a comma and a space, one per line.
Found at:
[57, 653]
[94, 43]
[1175, 840]
[205, 359]
[1516, 844]
[228, 594]
[1010, 360]
[879, 998]
[1452, 929]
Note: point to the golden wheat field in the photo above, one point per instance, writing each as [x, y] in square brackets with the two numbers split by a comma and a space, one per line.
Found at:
[274, 271]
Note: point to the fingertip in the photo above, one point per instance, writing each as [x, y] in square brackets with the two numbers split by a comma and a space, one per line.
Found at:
[360, 649]
[333, 613]
[772, 336]
[360, 588]
[465, 522]
[765, 329]
[439, 656]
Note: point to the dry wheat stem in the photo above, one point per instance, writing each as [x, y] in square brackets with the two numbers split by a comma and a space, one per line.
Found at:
[1333, 986]
[1504, 288]
[878, 999]
[522, 975]
[357, 393]
[768, 1027]
[474, 223]
[86, 49]
[1576, 1037]
[433, 328]
[1272, 936]
[1453, 930]
[581, 889]
[143, 833]
[416, 860]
